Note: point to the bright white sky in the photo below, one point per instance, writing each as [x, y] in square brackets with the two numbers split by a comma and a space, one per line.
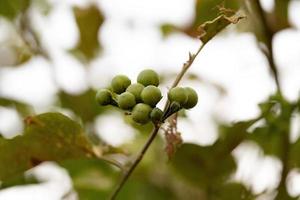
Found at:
[231, 60]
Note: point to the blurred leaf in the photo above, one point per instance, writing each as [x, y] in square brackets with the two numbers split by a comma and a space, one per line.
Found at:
[230, 136]
[88, 21]
[207, 10]
[202, 165]
[211, 28]
[167, 29]
[231, 191]
[47, 137]
[277, 115]
[22, 108]
[19, 180]
[84, 105]
[143, 189]
[11, 8]
[93, 179]
[280, 15]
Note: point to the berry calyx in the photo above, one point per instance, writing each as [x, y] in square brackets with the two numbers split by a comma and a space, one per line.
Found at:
[136, 89]
[141, 113]
[178, 94]
[126, 100]
[192, 98]
[104, 97]
[120, 83]
[151, 95]
[148, 77]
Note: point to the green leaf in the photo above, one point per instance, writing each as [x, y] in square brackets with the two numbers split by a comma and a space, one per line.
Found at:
[276, 113]
[88, 21]
[19, 180]
[202, 165]
[47, 137]
[84, 105]
[22, 108]
[93, 179]
[207, 10]
[11, 8]
[231, 191]
[211, 28]
[143, 189]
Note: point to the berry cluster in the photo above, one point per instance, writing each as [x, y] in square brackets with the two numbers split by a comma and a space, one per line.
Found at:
[141, 98]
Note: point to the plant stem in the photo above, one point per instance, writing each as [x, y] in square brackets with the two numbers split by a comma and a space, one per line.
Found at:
[156, 128]
[136, 162]
[268, 34]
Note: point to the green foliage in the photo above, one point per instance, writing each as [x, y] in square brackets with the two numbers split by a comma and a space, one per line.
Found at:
[11, 8]
[47, 137]
[22, 108]
[88, 21]
[83, 105]
[199, 165]
[92, 178]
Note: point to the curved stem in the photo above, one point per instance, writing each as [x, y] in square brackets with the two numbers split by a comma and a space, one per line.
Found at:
[136, 162]
[155, 130]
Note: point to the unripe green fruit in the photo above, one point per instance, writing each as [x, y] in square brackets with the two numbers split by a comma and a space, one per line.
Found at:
[178, 94]
[120, 83]
[148, 77]
[156, 115]
[104, 97]
[136, 89]
[126, 100]
[141, 113]
[192, 98]
[151, 95]
[174, 107]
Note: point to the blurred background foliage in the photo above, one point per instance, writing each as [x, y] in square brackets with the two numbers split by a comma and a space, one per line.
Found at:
[194, 172]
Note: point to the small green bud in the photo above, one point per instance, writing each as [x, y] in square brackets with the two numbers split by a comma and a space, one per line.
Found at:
[141, 113]
[126, 100]
[148, 77]
[120, 83]
[178, 94]
[151, 95]
[104, 97]
[136, 89]
[156, 115]
[192, 98]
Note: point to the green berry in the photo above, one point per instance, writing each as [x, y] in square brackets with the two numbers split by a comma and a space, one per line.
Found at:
[178, 94]
[148, 77]
[120, 83]
[136, 89]
[192, 98]
[151, 95]
[104, 97]
[156, 115]
[141, 113]
[126, 100]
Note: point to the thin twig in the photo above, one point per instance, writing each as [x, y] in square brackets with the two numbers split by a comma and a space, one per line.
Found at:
[268, 39]
[156, 128]
[285, 143]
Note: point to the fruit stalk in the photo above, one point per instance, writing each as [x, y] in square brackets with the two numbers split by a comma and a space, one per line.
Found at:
[157, 126]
